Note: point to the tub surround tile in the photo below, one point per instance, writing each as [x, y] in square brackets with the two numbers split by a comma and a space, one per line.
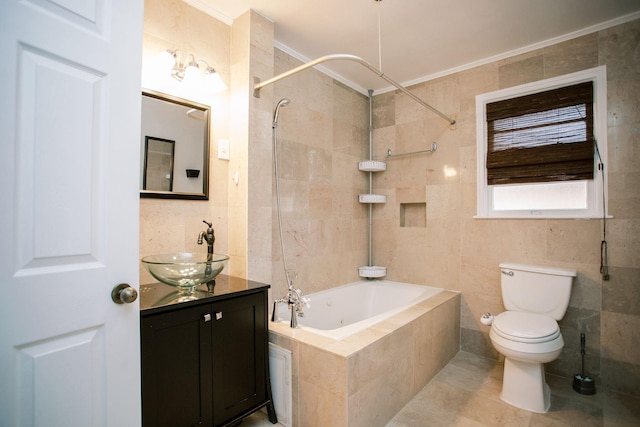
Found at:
[323, 136]
[324, 369]
[419, 349]
[324, 409]
[369, 376]
[364, 338]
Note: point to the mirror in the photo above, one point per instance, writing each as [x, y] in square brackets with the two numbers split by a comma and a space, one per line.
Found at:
[174, 146]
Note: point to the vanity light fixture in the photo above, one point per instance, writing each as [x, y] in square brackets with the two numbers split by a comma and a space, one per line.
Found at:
[189, 72]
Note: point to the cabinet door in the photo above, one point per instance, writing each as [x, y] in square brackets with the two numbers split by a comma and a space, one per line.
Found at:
[239, 348]
[176, 368]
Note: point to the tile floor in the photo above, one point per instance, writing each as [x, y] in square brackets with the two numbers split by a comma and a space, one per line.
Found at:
[465, 394]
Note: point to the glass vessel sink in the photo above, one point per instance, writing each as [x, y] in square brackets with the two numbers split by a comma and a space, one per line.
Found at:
[185, 271]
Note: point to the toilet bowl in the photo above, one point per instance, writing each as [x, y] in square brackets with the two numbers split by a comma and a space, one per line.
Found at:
[527, 334]
[525, 350]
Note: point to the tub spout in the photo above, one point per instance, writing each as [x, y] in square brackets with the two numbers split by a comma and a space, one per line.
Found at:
[294, 317]
[274, 315]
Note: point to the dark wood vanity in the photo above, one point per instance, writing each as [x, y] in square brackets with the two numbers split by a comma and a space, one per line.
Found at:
[205, 361]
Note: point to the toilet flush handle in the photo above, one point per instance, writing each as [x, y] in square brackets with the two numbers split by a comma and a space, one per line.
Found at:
[508, 273]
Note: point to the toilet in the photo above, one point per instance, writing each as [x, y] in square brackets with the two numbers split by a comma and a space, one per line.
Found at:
[527, 334]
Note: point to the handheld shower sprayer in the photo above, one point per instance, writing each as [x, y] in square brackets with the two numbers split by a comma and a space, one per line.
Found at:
[294, 298]
[283, 103]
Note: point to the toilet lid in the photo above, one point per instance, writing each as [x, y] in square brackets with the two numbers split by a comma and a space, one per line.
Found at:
[525, 327]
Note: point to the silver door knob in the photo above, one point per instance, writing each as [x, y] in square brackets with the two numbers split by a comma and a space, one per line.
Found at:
[124, 294]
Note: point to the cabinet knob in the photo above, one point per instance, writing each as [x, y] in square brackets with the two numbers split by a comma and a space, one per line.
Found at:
[219, 315]
[207, 317]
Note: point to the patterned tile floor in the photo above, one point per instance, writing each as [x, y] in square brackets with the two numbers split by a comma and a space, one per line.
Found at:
[466, 394]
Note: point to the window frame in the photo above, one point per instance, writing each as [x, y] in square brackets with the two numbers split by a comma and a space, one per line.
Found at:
[596, 188]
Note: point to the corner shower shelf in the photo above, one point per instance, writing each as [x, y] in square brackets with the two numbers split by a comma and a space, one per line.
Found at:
[372, 198]
[372, 271]
[372, 166]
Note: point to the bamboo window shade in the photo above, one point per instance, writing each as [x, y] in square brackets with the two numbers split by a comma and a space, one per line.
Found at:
[546, 136]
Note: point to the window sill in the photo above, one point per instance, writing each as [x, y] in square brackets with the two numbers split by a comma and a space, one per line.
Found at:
[538, 216]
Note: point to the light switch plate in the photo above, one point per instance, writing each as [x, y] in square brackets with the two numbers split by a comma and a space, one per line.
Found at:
[223, 149]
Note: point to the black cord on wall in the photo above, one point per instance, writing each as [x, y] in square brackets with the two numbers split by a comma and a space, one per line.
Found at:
[604, 250]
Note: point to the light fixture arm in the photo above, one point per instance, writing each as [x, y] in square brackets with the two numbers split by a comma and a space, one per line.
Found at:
[348, 57]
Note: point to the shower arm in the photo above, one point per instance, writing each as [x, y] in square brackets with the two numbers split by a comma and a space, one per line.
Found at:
[343, 56]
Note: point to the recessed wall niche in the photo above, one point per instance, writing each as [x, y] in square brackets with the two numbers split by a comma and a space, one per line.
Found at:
[413, 214]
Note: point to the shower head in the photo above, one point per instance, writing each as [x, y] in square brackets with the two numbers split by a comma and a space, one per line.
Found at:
[283, 103]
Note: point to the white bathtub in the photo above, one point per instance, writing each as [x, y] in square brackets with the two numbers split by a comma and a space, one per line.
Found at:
[345, 310]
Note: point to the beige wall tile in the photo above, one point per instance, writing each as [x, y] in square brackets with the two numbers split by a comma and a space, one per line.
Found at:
[620, 336]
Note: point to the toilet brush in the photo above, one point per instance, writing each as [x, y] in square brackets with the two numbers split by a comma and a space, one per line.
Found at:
[581, 383]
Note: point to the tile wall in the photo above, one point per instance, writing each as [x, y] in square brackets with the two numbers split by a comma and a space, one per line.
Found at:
[173, 225]
[322, 135]
[455, 251]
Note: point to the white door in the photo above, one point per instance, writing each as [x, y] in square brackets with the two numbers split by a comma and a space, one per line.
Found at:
[69, 167]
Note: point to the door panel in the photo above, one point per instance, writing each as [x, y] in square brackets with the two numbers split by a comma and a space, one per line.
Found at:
[58, 220]
[69, 168]
[73, 364]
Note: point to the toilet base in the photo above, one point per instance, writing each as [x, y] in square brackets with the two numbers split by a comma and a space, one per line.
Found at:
[524, 386]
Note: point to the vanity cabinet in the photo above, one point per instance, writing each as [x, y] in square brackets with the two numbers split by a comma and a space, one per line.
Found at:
[206, 363]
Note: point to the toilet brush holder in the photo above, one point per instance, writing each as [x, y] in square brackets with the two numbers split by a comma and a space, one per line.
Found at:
[582, 383]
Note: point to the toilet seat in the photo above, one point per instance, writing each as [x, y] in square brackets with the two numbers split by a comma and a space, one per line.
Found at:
[525, 327]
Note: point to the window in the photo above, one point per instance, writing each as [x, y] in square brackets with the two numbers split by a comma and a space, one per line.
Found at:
[540, 147]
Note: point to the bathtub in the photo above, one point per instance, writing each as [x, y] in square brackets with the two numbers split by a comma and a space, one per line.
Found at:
[362, 351]
[345, 310]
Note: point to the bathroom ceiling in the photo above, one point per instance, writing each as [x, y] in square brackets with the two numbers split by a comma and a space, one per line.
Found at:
[421, 39]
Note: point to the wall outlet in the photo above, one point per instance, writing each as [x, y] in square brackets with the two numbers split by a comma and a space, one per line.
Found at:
[223, 149]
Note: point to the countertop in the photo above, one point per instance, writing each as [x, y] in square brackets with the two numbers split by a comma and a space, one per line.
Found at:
[156, 297]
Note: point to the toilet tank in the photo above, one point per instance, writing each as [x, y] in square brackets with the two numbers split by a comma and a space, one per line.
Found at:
[536, 289]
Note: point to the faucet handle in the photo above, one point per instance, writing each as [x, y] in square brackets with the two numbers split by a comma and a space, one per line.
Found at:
[210, 224]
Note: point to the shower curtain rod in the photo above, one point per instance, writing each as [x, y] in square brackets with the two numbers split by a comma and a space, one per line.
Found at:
[338, 56]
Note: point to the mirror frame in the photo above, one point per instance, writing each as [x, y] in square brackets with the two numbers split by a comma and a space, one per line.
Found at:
[205, 154]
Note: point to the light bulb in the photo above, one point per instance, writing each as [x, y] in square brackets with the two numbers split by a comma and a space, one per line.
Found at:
[192, 75]
[166, 60]
[213, 81]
